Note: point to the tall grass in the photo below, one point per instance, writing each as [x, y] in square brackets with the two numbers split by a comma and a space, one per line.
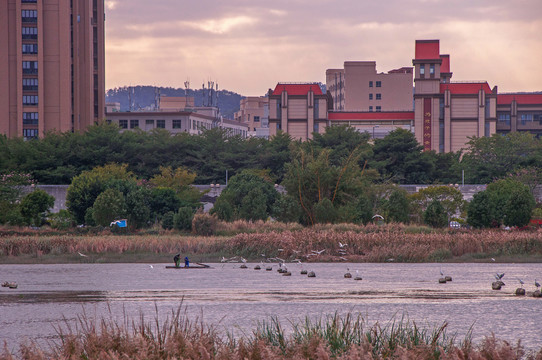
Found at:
[364, 244]
[331, 337]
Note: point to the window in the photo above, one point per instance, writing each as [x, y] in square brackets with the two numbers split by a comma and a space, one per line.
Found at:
[29, 1]
[30, 67]
[370, 84]
[432, 69]
[30, 48]
[278, 126]
[538, 117]
[378, 109]
[30, 134]
[134, 124]
[378, 96]
[379, 84]
[30, 84]
[422, 70]
[30, 118]
[504, 118]
[526, 118]
[316, 109]
[256, 119]
[123, 124]
[30, 32]
[370, 109]
[161, 124]
[194, 124]
[177, 124]
[315, 128]
[30, 100]
[370, 96]
[29, 16]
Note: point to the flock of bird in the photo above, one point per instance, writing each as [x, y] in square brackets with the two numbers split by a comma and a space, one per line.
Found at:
[499, 281]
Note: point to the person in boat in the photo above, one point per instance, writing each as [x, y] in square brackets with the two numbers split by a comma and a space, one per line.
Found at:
[177, 260]
[186, 262]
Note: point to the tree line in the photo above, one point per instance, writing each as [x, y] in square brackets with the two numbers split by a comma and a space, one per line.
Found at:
[338, 176]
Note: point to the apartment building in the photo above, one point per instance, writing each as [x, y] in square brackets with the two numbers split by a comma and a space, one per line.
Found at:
[358, 87]
[51, 66]
[447, 113]
[300, 109]
[254, 111]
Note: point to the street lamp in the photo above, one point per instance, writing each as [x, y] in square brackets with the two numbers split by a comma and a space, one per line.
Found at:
[374, 127]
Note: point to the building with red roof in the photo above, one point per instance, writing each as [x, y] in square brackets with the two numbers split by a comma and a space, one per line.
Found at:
[519, 112]
[448, 113]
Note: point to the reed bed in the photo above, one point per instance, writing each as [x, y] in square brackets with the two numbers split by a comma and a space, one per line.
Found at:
[363, 244]
[330, 337]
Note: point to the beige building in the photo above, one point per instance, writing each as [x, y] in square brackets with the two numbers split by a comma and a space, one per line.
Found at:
[51, 66]
[254, 111]
[446, 113]
[519, 112]
[358, 87]
[298, 109]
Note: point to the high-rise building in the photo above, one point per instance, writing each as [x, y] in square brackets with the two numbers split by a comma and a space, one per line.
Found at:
[51, 66]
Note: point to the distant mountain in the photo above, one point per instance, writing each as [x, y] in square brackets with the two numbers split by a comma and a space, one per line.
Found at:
[144, 97]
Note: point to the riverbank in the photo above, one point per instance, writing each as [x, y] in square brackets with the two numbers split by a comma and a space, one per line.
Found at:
[275, 242]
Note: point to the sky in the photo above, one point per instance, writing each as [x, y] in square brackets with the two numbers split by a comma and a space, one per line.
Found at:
[247, 46]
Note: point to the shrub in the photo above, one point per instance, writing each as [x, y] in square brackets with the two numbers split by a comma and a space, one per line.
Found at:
[61, 220]
[182, 220]
[204, 224]
[109, 205]
[167, 220]
[435, 215]
[35, 205]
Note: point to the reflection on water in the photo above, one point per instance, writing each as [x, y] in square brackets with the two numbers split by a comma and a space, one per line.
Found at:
[237, 299]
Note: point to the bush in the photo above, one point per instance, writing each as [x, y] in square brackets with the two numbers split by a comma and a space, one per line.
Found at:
[287, 209]
[109, 205]
[204, 224]
[182, 220]
[435, 215]
[35, 205]
[61, 220]
[167, 220]
[222, 209]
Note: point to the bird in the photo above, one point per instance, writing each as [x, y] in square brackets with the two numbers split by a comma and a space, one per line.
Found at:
[441, 273]
[492, 259]
[536, 283]
[499, 276]
[521, 282]
[316, 252]
[83, 255]
[341, 245]
[152, 267]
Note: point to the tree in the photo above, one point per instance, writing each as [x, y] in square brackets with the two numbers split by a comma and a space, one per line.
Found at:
[35, 205]
[249, 196]
[11, 185]
[398, 207]
[435, 215]
[286, 209]
[182, 220]
[519, 207]
[109, 205]
[85, 188]
[479, 213]
[449, 197]
[180, 180]
[401, 158]
[162, 201]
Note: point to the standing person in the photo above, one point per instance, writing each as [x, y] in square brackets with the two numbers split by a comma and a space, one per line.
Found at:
[186, 262]
[177, 260]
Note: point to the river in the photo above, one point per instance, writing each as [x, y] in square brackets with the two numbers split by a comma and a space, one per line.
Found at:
[235, 300]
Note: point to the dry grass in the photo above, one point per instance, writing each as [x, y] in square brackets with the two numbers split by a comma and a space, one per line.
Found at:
[335, 337]
[364, 243]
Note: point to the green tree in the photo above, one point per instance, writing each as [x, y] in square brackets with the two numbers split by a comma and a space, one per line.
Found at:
[35, 205]
[286, 209]
[449, 197]
[85, 188]
[479, 212]
[518, 207]
[325, 212]
[180, 180]
[401, 158]
[435, 215]
[138, 207]
[260, 196]
[398, 207]
[222, 209]
[163, 200]
[109, 206]
[183, 218]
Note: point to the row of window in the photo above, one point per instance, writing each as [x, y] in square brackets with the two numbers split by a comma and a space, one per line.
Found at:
[30, 134]
[378, 84]
[30, 48]
[431, 69]
[30, 118]
[29, 16]
[30, 32]
[30, 84]
[524, 118]
[160, 124]
[378, 96]
[378, 109]
[30, 99]
[30, 67]
[29, 1]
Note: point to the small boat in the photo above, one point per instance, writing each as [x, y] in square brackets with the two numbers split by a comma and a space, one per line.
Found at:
[195, 266]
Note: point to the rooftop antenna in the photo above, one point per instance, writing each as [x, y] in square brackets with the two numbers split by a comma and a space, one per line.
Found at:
[203, 94]
[186, 87]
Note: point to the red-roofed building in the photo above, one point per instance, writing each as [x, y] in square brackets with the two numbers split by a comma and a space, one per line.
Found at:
[446, 113]
[519, 112]
[377, 124]
[298, 109]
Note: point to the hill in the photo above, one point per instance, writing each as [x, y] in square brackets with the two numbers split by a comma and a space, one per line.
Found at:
[144, 97]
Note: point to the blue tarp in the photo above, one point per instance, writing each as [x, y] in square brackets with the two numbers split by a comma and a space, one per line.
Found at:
[119, 223]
